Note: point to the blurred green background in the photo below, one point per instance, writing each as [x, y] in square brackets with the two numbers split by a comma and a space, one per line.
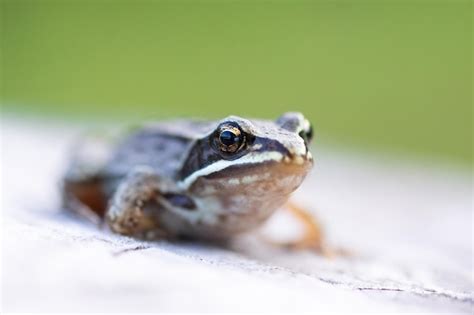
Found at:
[390, 75]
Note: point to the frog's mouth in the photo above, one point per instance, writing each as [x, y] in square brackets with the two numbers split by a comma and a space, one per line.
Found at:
[273, 172]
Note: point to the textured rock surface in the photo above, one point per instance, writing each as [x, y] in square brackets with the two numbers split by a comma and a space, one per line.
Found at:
[410, 227]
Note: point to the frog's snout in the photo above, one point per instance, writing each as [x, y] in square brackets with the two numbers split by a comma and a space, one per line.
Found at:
[299, 159]
[298, 154]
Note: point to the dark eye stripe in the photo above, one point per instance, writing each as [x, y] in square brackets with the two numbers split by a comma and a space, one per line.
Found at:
[208, 156]
[268, 144]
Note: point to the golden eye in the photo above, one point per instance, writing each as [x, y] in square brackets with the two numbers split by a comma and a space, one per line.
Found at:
[230, 138]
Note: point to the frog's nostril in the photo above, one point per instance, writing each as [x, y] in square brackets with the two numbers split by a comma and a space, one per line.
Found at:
[298, 159]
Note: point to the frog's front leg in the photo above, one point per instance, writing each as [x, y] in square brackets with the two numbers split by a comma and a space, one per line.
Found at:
[126, 213]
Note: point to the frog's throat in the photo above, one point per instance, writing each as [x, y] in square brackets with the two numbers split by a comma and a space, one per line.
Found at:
[251, 158]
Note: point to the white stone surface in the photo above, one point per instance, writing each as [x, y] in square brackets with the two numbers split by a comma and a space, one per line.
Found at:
[408, 224]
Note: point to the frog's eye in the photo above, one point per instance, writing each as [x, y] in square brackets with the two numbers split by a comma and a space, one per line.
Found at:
[230, 138]
[307, 133]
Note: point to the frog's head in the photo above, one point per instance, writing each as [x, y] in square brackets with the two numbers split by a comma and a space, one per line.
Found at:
[245, 164]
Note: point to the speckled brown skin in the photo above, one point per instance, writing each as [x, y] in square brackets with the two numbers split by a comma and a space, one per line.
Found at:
[180, 179]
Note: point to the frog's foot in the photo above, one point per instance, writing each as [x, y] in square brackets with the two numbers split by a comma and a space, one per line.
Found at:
[313, 238]
[127, 213]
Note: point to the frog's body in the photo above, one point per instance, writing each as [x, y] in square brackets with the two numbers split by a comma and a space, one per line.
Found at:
[208, 180]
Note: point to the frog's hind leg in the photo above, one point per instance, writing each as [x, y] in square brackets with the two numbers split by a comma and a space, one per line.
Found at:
[83, 184]
[85, 198]
[313, 236]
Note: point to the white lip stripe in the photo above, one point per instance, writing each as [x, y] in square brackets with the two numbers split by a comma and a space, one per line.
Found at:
[251, 158]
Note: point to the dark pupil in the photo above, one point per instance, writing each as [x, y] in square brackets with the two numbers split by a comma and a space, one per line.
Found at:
[228, 137]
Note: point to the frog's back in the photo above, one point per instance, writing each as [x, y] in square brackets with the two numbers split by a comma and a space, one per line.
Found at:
[99, 163]
[161, 146]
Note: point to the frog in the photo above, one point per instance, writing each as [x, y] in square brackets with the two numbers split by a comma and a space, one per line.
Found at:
[209, 180]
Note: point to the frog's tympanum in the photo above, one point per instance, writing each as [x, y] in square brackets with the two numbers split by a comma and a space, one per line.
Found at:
[192, 179]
